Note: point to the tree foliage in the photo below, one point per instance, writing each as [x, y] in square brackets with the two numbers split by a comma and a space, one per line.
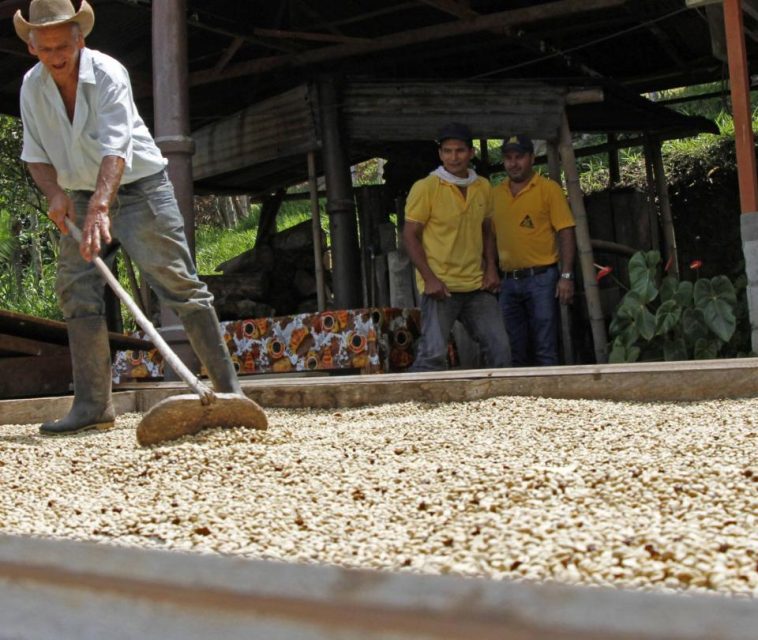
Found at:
[28, 241]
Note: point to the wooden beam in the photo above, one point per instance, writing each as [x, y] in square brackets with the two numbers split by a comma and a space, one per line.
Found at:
[614, 173]
[453, 7]
[583, 244]
[501, 20]
[277, 45]
[29, 347]
[35, 375]
[667, 218]
[228, 54]
[72, 590]
[318, 261]
[305, 35]
[361, 17]
[740, 88]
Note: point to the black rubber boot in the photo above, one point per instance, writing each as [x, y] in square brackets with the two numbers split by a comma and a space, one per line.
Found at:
[91, 366]
[204, 333]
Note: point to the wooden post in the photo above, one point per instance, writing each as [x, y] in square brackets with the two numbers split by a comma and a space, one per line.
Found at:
[172, 135]
[667, 219]
[614, 173]
[740, 91]
[655, 241]
[318, 258]
[485, 154]
[554, 162]
[745, 144]
[340, 204]
[554, 171]
[583, 244]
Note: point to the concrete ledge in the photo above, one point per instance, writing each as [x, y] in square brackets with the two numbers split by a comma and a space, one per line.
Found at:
[642, 382]
[62, 590]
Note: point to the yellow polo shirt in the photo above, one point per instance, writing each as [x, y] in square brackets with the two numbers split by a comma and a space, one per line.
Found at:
[452, 237]
[526, 225]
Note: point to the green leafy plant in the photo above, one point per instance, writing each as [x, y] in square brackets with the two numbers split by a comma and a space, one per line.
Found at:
[661, 317]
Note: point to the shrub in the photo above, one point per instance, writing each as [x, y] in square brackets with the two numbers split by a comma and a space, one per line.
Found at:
[663, 318]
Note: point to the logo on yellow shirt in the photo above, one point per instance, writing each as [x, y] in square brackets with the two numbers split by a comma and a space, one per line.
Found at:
[527, 222]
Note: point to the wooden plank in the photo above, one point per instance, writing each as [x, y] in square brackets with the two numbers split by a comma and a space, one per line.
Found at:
[38, 410]
[25, 346]
[690, 381]
[34, 375]
[64, 589]
[54, 331]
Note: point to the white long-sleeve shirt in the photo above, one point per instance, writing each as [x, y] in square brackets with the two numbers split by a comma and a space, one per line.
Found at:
[106, 123]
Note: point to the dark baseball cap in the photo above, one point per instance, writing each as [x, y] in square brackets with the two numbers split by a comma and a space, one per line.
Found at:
[519, 143]
[455, 131]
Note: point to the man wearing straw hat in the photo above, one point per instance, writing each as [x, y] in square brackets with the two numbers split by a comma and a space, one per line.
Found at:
[92, 156]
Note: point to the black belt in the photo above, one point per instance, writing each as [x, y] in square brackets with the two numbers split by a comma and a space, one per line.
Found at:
[518, 274]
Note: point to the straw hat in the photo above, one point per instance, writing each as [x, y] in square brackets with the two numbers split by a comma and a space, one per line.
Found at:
[50, 13]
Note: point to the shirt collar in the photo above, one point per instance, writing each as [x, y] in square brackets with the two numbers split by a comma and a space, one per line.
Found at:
[86, 68]
[529, 185]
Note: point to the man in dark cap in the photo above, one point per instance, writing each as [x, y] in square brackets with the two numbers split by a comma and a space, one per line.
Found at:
[448, 238]
[91, 154]
[536, 248]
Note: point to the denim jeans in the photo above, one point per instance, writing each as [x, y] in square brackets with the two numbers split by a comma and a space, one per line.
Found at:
[530, 310]
[479, 314]
[146, 220]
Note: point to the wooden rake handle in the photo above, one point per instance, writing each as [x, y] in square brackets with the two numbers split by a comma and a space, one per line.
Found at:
[206, 393]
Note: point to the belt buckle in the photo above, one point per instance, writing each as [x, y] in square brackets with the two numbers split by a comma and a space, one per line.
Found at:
[515, 274]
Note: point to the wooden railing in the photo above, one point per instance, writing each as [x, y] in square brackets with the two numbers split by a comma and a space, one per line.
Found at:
[63, 589]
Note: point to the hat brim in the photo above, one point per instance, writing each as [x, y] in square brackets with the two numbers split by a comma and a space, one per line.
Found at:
[85, 18]
[516, 147]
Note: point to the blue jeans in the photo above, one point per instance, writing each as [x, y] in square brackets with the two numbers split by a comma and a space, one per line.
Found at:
[146, 220]
[479, 314]
[530, 310]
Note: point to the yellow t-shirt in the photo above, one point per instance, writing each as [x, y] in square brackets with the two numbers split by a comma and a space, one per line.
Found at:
[452, 237]
[526, 225]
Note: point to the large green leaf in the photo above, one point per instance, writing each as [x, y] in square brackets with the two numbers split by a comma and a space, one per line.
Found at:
[675, 349]
[623, 353]
[642, 271]
[683, 295]
[635, 307]
[618, 324]
[716, 299]
[707, 348]
[693, 325]
[667, 317]
[669, 287]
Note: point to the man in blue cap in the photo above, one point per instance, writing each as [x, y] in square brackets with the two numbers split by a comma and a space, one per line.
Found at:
[536, 248]
[448, 237]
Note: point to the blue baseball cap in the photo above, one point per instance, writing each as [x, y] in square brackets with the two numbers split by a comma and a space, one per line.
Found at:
[519, 143]
[455, 131]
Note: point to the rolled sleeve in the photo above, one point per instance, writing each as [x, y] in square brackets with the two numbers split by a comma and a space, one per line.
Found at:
[32, 150]
[114, 121]
[560, 212]
[417, 206]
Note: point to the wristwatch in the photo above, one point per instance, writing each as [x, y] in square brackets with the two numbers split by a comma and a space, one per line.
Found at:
[567, 275]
